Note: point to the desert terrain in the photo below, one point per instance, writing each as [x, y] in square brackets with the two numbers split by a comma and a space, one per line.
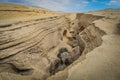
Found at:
[40, 44]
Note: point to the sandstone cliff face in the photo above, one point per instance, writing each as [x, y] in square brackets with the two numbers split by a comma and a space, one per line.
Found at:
[38, 48]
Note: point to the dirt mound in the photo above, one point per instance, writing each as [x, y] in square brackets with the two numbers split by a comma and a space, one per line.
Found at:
[11, 13]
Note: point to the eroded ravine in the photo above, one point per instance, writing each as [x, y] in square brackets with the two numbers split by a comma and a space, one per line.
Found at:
[40, 48]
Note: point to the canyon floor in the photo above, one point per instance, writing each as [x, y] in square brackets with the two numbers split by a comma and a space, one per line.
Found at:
[40, 44]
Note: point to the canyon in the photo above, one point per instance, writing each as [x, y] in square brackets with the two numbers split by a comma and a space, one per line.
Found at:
[39, 44]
